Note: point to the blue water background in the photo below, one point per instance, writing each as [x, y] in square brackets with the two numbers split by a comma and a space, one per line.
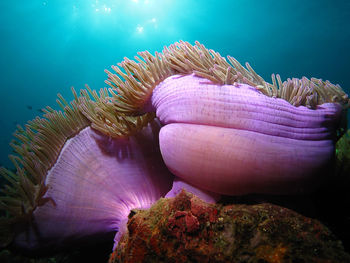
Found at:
[48, 46]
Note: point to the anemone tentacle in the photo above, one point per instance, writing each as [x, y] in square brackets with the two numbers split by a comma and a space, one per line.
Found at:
[37, 148]
[133, 82]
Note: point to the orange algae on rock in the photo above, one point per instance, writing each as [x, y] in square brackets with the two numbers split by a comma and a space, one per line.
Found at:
[271, 254]
[186, 229]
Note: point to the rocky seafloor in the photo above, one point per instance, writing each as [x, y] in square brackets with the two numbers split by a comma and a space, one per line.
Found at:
[187, 229]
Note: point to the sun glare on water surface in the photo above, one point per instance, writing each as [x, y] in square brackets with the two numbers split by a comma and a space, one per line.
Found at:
[141, 16]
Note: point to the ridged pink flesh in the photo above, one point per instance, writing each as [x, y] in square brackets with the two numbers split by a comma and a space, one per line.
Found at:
[235, 162]
[190, 99]
[235, 140]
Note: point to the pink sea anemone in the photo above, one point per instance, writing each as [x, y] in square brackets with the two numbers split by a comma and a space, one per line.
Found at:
[225, 129]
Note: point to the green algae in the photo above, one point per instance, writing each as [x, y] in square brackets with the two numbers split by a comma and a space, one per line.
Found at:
[343, 155]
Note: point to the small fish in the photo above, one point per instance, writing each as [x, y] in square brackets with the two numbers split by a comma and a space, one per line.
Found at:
[29, 107]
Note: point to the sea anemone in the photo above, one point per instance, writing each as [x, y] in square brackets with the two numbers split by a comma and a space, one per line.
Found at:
[223, 130]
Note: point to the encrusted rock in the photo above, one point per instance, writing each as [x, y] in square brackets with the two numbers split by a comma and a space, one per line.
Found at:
[186, 229]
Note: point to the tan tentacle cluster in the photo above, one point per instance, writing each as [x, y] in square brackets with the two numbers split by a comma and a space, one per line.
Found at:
[132, 89]
[103, 116]
[133, 81]
[37, 147]
[306, 92]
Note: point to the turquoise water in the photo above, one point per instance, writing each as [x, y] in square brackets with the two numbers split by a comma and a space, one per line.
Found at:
[48, 46]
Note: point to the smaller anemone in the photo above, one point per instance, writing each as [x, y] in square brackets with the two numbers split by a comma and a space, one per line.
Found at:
[74, 183]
